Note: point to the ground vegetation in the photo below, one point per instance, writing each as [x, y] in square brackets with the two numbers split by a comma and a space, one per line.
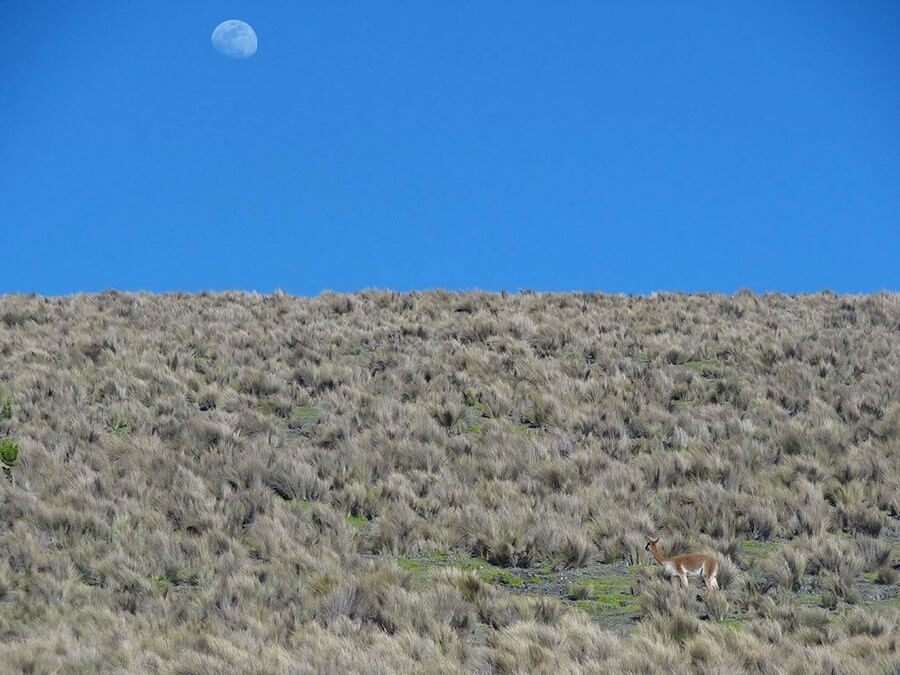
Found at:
[448, 482]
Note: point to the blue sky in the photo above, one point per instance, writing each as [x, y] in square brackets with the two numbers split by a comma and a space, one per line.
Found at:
[611, 146]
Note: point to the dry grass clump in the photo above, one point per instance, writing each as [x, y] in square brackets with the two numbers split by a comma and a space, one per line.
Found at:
[203, 482]
[785, 569]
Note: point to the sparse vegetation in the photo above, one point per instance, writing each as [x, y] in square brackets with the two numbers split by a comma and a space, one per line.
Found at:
[446, 482]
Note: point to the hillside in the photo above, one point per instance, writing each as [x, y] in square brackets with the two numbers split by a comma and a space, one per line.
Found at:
[448, 482]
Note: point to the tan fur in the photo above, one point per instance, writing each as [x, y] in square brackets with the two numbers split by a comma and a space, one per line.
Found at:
[693, 564]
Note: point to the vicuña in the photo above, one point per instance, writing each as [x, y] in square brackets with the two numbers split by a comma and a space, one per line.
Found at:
[694, 564]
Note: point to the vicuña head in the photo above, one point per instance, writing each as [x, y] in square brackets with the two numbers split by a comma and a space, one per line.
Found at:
[694, 564]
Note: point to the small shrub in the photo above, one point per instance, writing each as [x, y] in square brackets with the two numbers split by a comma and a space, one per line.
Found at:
[449, 416]
[471, 587]
[812, 514]
[796, 566]
[627, 547]
[761, 521]
[784, 569]
[579, 591]
[767, 630]
[864, 622]
[538, 412]
[6, 410]
[257, 384]
[886, 575]
[662, 597]
[574, 551]
[511, 551]
[835, 588]
[546, 610]
[716, 605]
[834, 556]
[9, 457]
[679, 626]
[728, 573]
[875, 552]
[858, 518]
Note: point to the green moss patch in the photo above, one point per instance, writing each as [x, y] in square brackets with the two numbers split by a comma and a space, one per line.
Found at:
[417, 567]
[757, 549]
[161, 585]
[604, 596]
[683, 403]
[735, 624]
[495, 575]
[701, 366]
[607, 596]
[424, 567]
[808, 599]
[358, 522]
[302, 416]
[524, 431]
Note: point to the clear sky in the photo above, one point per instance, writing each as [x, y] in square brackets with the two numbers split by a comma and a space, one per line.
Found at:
[579, 145]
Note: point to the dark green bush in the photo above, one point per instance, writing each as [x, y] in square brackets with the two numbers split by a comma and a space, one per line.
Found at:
[9, 457]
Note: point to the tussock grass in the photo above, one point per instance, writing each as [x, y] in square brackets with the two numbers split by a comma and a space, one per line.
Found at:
[222, 482]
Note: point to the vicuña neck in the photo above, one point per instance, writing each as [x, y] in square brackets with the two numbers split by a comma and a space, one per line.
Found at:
[657, 554]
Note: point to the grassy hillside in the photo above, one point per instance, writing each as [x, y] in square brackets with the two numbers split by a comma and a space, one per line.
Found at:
[441, 482]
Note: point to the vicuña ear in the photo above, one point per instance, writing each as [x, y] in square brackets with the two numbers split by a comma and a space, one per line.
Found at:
[653, 541]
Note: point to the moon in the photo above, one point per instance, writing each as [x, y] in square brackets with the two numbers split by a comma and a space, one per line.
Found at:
[234, 39]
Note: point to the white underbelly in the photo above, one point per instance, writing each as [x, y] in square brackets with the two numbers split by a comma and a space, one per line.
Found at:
[670, 568]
